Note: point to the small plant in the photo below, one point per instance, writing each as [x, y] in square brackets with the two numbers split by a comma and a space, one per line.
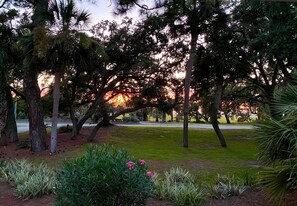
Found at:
[130, 119]
[104, 176]
[178, 186]
[65, 129]
[23, 144]
[30, 181]
[226, 186]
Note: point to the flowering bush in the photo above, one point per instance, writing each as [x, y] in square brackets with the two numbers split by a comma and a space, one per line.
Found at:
[104, 176]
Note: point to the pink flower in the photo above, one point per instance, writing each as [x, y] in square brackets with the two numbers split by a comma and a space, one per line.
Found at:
[142, 162]
[150, 174]
[131, 165]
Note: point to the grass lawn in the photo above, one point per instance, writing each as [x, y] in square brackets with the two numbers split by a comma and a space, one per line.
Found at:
[162, 149]
[204, 157]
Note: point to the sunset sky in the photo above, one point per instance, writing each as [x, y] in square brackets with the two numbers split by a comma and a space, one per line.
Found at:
[103, 10]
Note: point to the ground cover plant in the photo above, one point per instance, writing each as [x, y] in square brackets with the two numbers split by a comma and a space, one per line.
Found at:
[161, 148]
[30, 181]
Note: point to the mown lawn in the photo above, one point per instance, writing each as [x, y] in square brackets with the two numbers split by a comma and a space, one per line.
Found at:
[204, 157]
[162, 149]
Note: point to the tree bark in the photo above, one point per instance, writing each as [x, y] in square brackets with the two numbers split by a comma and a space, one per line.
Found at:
[88, 114]
[37, 131]
[214, 114]
[163, 116]
[74, 123]
[94, 131]
[56, 96]
[3, 116]
[12, 132]
[189, 67]
[227, 118]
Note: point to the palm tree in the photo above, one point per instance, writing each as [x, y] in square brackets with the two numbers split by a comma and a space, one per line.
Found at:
[277, 138]
[65, 19]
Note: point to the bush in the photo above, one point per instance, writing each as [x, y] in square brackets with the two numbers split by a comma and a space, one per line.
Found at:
[178, 186]
[104, 176]
[226, 187]
[65, 129]
[30, 181]
[130, 119]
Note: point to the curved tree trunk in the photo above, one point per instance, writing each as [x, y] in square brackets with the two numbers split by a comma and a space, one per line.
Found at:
[12, 132]
[56, 96]
[92, 136]
[214, 115]
[189, 67]
[37, 130]
[103, 123]
[227, 118]
[88, 114]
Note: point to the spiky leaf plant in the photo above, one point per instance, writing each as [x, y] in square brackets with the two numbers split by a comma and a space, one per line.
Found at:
[277, 138]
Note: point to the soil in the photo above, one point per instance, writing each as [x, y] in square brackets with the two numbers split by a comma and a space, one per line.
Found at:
[251, 197]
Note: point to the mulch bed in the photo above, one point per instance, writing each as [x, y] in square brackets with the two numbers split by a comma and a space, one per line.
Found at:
[251, 197]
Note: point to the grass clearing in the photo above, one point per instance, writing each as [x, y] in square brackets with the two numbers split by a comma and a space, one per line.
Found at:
[204, 157]
[162, 148]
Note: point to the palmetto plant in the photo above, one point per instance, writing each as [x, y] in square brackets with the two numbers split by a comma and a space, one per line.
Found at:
[277, 138]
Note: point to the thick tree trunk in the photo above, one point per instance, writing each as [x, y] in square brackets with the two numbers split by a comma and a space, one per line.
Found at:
[3, 116]
[12, 132]
[56, 96]
[189, 67]
[37, 130]
[214, 114]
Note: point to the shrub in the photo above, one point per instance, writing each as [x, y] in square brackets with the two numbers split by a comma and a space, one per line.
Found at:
[65, 129]
[226, 186]
[24, 144]
[178, 186]
[30, 181]
[130, 119]
[276, 136]
[104, 176]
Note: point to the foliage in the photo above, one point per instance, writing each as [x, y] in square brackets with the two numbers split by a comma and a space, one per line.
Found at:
[178, 186]
[104, 176]
[30, 181]
[23, 143]
[277, 138]
[65, 129]
[130, 119]
[227, 186]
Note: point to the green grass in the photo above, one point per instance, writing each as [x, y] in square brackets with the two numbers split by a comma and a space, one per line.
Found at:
[162, 147]
[204, 157]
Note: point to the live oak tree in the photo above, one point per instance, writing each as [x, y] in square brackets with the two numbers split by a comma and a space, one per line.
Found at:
[183, 18]
[266, 34]
[129, 68]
